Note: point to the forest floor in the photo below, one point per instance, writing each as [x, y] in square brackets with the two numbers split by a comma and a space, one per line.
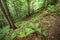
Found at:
[47, 22]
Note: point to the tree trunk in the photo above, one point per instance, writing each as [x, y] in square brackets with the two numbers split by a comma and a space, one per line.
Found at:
[6, 13]
[28, 6]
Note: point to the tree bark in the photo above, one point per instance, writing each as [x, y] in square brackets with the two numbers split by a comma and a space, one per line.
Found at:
[28, 6]
[6, 13]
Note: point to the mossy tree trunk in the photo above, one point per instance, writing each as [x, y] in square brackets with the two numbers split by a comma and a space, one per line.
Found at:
[6, 13]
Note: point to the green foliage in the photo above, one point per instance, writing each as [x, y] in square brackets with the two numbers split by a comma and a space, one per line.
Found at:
[54, 14]
[40, 31]
[2, 19]
[22, 34]
[18, 8]
[27, 32]
[51, 1]
[10, 36]
[4, 31]
[34, 28]
[50, 8]
[36, 4]
[46, 12]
